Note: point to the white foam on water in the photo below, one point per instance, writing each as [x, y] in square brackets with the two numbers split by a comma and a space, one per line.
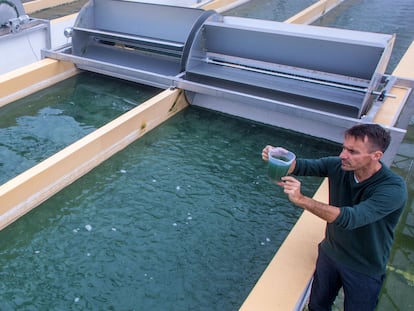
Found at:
[88, 227]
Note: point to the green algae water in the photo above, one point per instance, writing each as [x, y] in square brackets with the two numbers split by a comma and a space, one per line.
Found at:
[94, 246]
[278, 166]
[173, 222]
[40, 125]
[279, 10]
[383, 16]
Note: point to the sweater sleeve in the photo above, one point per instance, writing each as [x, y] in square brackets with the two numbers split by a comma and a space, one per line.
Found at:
[318, 167]
[384, 200]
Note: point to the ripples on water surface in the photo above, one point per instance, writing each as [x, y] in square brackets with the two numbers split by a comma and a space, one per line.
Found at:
[270, 9]
[40, 125]
[183, 219]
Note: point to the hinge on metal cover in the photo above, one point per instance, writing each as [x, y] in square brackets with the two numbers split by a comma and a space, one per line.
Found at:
[383, 91]
[384, 87]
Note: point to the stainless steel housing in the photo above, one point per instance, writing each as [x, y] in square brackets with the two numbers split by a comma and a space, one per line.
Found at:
[314, 80]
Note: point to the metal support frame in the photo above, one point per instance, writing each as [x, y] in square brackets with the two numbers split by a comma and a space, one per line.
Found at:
[21, 37]
[311, 122]
[249, 68]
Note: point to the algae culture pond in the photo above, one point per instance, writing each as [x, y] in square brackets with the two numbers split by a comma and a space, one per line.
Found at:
[183, 219]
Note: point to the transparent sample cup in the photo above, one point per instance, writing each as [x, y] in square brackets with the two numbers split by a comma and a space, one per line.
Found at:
[278, 165]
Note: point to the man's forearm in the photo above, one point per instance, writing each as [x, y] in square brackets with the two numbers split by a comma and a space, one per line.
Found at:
[325, 211]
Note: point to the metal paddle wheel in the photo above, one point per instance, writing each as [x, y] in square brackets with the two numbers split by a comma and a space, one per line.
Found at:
[314, 80]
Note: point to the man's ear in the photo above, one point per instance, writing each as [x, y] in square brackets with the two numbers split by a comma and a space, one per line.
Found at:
[378, 155]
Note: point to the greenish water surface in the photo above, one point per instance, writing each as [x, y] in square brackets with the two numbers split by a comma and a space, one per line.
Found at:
[279, 10]
[40, 125]
[184, 219]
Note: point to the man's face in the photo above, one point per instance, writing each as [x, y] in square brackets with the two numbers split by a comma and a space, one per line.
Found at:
[356, 154]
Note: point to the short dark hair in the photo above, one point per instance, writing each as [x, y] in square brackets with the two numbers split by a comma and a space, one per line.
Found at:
[378, 137]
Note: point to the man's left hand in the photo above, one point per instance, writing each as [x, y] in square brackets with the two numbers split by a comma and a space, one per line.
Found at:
[291, 187]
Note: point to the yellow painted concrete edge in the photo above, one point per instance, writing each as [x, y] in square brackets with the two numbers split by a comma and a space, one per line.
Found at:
[26, 191]
[405, 67]
[289, 273]
[315, 11]
[389, 111]
[38, 5]
[32, 78]
[223, 5]
[64, 18]
[287, 251]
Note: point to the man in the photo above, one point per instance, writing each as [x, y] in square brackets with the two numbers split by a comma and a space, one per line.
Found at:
[366, 200]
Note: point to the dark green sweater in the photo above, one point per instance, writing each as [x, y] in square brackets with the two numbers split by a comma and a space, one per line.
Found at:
[362, 235]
